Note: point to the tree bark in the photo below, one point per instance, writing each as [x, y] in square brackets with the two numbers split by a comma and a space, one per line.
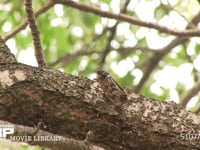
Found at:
[78, 108]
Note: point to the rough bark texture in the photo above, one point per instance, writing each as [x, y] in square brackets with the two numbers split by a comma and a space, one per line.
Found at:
[74, 106]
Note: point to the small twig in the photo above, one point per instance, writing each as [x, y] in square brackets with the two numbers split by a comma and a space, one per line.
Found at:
[106, 49]
[192, 92]
[35, 33]
[66, 59]
[190, 60]
[111, 36]
[173, 8]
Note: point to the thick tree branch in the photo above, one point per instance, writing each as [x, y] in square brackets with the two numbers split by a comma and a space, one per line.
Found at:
[5, 54]
[71, 106]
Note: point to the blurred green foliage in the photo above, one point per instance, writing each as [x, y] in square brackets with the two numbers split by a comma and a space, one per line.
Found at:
[5, 145]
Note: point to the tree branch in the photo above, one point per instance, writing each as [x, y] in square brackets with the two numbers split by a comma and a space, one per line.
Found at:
[72, 106]
[66, 59]
[152, 62]
[35, 33]
[112, 32]
[188, 95]
[5, 55]
[126, 18]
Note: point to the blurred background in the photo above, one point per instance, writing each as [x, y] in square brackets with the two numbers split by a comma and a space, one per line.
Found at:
[147, 60]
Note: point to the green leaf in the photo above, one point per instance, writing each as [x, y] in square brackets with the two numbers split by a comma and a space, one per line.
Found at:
[142, 42]
[159, 12]
[72, 66]
[197, 48]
